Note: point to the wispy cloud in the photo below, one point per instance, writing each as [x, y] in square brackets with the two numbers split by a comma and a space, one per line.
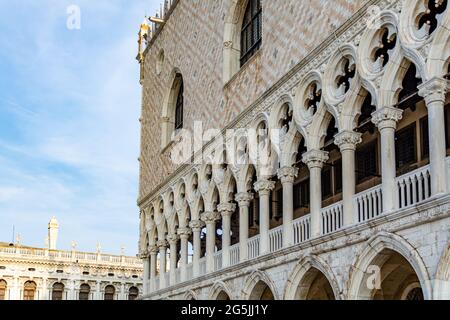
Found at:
[70, 102]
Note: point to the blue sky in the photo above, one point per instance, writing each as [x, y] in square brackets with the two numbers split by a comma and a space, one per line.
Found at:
[69, 130]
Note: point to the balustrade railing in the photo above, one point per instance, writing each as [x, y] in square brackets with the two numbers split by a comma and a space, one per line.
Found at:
[202, 268]
[190, 271]
[332, 218]
[253, 247]
[302, 229]
[235, 254]
[276, 239]
[414, 187]
[368, 204]
[218, 261]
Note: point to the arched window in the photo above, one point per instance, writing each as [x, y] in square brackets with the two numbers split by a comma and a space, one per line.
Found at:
[109, 292]
[29, 290]
[251, 32]
[3, 286]
[133, 293]
[85, 290]
[57, 292]
[179, 105]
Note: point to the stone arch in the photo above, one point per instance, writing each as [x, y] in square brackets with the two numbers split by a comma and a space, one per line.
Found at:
[263, 156]
[351, 108]
[245, 178]
[290, 148]
[305, 276]
[442, 282]
[160, 219]
[319, 126]
[360, 271]
[228, 187]
[168, 111]
[439, 56]
[190, 295]
[192, 187]
[219, 291]
[393, 78]
[255, 283]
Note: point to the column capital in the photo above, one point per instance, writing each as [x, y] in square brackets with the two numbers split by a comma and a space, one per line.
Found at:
[287, 174]
[210, 217]
[226, 209]
[387, 117]
[184, 233]
[144, 255]
[347, 140]
[173, 239]
[243, 199]
[315, 158]
[264, 186]
[153, 250]
[161, 244]
[196, 225]
[434, 90]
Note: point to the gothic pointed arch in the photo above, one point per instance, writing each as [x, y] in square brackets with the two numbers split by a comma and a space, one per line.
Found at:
[173, 109]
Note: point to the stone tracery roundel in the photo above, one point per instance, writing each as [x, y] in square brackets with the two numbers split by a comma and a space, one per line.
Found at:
[308, 98]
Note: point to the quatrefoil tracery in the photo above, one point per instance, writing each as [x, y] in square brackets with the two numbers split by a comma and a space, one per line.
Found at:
[429, 20]
[286, 120]
[344, 80]
[314, 99]
[387, 43]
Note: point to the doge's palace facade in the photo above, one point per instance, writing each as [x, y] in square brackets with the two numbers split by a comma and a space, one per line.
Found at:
[315, 143]
[28, 273]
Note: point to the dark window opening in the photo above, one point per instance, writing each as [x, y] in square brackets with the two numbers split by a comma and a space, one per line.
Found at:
[251, 33]
[409, 95]
[366, 162]
[365, 123]
[348, 74]
[85, 290]
[313, 102]
[329, 139]
[57, 292]
[179, 105]
[301, 195]
[387, 44]
[327, 190]
[425, 138]
[338, 176]
[279, 205]
[405, 148]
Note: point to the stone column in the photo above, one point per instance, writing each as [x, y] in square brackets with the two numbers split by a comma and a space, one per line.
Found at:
[210, 218]
[196, 226]
[184, 234]
[386, 120]
[44, 295]
[264, 187]
[153, 267]
[243, 199]
[226, 210]
[315, 159]
[162, 245]
[434, 92]
[347, 142]
[98, 293]
[287, 176]
[145, 257]
[173, 241]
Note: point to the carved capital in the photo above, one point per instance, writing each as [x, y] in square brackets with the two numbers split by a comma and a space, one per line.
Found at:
[287, 174]
[387, 117]
[153, 250]
[434, 90]
[347, 140]
[228, 44]
[210, 217]
[315, 158]
[264, 186]
[197, 225]
[226, 209]
[161, 244]
[244, 198]
[173, 239]
[184, 233]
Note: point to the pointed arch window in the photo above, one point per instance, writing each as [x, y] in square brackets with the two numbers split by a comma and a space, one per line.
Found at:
[251, 32]
[179, 105]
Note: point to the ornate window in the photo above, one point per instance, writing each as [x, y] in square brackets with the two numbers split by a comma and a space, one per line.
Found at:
[109, 292]
[3, 286]
[133, 293]
[85, 290]
[179, 105]
[57, 292]
[430, 18]
[29, 290]
[251, 32]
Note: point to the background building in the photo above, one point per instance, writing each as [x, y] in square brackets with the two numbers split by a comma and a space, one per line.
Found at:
[353, 201]
[28, 273]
